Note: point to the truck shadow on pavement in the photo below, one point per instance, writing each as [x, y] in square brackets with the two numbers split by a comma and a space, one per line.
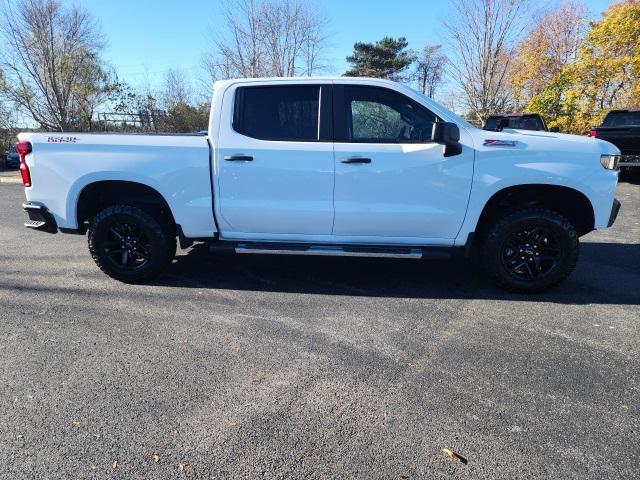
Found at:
[607, 273]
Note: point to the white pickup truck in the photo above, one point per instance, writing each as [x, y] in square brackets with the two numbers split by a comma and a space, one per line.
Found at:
[326, 166]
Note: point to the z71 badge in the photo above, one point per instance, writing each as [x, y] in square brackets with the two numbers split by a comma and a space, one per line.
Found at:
[499, 143]
[62, 139]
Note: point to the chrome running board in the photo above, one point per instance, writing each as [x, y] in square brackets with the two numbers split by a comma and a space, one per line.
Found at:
[331, 251]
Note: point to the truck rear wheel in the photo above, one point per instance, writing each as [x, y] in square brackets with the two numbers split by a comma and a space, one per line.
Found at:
[530, 250]
[130, 244]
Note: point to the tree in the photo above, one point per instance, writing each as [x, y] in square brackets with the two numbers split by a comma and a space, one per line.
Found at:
[429, 69]
[7, 125]
[268, 38]
[605, 75]
[177, 100]
[387, 58]
[550, 46]
[52, 63]
[483, 34]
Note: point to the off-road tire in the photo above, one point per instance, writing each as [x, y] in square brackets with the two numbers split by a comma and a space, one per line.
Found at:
[494, 248]
[158, 236]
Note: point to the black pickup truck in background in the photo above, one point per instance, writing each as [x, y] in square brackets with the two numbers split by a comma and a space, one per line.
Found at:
[622, 128]
[520, 121]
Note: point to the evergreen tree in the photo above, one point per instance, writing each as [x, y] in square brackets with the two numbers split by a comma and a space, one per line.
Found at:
[387, 58]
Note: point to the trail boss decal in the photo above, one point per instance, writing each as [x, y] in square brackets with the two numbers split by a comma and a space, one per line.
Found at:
[62, 139]
[499, 143]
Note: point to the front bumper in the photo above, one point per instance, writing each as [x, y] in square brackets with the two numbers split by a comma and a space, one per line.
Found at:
[40, 218]
[614, 211]
[629, 161]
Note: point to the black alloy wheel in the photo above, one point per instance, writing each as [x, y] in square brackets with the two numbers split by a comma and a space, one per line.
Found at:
[127, 245]
[531, 253]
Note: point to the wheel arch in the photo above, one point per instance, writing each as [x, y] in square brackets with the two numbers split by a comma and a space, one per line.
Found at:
[574, 205]
[102, 193]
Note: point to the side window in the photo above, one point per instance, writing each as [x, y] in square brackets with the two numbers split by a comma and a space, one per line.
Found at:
[379, 115]
[278, 112]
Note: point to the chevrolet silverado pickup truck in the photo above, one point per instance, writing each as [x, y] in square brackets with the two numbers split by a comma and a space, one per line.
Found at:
[326, 166]
[622, 128]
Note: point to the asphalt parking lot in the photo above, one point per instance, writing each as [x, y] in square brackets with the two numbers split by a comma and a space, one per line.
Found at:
[291, 367]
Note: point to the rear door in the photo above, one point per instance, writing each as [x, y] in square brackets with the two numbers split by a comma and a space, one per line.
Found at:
[275, 161]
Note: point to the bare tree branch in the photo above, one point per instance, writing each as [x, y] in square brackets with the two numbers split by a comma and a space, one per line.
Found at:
[52, 62]
[483, 34]
[268, 38]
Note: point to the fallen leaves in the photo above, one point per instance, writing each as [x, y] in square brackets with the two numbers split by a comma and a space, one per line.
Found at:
[455, 457]
[182, 466]
[98, 435]
[156, 458]
[114, 464]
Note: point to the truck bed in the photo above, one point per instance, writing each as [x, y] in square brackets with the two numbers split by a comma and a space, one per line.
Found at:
[176, 166]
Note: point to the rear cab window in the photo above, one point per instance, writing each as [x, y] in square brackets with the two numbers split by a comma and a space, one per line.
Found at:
[524, 122]
[278, 112]
[619, 119]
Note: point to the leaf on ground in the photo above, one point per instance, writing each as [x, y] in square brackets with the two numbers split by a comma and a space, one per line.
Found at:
[156, 457]
[182, 466]
[98, 435]
[247, 404]
[114, 464]
[455, 457]
[76, 424]
[29, 397]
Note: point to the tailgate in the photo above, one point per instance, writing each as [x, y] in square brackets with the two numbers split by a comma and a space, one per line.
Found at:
[627, 139]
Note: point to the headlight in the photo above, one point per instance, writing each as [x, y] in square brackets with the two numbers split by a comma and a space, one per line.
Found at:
[610, 162]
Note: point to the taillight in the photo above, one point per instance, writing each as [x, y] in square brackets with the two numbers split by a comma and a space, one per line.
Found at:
[24, 149]
[592, 133]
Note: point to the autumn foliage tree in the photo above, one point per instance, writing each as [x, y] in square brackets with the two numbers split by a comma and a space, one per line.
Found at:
[549, 47]
[605, 74]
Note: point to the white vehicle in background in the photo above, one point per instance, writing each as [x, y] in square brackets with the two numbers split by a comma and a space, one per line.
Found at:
[326, 166]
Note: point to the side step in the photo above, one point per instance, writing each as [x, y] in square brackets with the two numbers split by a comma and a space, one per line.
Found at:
[331, 250]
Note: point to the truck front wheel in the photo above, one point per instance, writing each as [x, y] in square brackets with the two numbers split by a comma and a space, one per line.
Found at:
[530, 250]
[130, 244]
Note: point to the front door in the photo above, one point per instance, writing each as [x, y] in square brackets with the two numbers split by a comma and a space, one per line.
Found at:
[393, 185]
[275, 162]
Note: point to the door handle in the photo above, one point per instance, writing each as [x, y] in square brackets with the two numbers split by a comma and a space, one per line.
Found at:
[238, 158]
[356, 160]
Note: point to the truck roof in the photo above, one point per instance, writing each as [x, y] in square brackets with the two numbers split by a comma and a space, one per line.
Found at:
[306, 80]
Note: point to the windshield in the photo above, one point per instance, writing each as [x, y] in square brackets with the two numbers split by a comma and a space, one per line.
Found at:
[456, 118]
[617, 119]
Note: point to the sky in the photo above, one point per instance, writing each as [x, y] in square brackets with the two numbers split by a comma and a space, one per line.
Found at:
[147, 37]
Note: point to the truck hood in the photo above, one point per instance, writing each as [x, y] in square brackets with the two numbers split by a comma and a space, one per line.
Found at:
[550, 141]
